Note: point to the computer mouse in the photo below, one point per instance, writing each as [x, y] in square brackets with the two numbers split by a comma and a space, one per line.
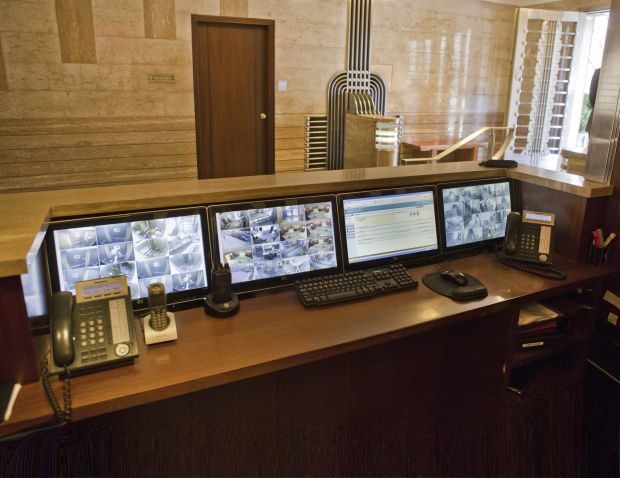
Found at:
[455, 277]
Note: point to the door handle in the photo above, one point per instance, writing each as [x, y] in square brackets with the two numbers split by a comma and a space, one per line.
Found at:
[263, 116]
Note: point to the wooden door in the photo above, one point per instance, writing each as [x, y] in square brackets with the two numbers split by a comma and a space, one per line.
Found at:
[234, 95]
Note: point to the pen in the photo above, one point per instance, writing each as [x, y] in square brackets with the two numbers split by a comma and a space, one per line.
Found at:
[601, 236]
[597, 240]
[611, 237]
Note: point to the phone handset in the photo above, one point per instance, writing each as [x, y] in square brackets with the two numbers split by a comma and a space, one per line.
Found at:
[63, 351]
[511, 237]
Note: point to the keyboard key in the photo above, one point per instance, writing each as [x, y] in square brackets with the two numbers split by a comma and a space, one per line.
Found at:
[342, 295]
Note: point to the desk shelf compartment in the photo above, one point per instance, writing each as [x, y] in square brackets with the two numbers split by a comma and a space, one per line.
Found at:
[573, 329]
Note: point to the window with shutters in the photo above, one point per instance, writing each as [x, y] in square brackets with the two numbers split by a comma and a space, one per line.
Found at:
[547, 57]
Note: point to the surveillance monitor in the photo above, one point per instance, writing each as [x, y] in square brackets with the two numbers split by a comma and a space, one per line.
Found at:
[167, 246]
[275, 242]
[473, 213]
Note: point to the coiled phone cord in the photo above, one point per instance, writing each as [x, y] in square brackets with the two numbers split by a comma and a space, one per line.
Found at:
[63, 416]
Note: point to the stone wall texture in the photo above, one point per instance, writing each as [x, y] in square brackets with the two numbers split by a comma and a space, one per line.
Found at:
[76, 100]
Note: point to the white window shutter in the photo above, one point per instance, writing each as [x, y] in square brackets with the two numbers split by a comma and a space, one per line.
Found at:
[546, 54]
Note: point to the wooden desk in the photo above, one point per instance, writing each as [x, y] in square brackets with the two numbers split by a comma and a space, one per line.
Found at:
[423, 150]
[416, 357]
[409, 359]
[275, 332]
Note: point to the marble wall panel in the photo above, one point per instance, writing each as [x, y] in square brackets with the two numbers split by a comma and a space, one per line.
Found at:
[579, 5]
[186, 8]
[287, 133]
[111, 78]
[20, 16]
[85, 104]
[234, 8]
[119, 4]
[308, 79]
[385, 73]
[315, 35]
[299, 56]
[322, 12]
[199, 7]
[33, 104]
[26, 47]
[465, 82]
[179, 103]
[134, 51]
[76, 32]
[37, 76]
[159, 19]
[117, 22]
[184, 25]
[290, 103]
[290, 120]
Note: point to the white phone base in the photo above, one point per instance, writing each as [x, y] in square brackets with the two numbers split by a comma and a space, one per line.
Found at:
[152, 336]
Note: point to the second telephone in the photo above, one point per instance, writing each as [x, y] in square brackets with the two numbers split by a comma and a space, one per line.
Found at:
[95, 329]
[529, 237]
[528, 244]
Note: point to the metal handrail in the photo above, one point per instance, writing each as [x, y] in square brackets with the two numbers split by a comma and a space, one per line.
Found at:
[498, 155]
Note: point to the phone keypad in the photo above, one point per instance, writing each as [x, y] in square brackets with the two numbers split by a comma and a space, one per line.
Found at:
[528, 242]
[92, 337]
[159, 319]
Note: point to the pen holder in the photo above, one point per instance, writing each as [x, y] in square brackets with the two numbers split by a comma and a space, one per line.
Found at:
[598, 255]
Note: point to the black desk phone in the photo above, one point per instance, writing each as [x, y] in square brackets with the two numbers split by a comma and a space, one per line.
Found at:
[528, 243]
[529, 237]
[95, 329]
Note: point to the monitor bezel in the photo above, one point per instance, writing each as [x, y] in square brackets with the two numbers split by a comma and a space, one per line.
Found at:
[477, 244]
[140, 303]
[405, 258]
[282, 281]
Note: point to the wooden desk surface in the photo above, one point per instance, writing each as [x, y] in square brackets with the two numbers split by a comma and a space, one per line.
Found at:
[275, 332]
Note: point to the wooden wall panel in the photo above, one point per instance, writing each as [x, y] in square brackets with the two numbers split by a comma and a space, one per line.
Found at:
[3, 82]
[576, 217]
[17, 359]
[234, 8]
[76, 31]
[612, 210]
[60, 153]
[160, 19]
[289, 142]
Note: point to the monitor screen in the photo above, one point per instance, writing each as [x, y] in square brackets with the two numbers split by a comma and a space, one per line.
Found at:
[475, 212]
[389, 225]
[269, 242]
[161, 246]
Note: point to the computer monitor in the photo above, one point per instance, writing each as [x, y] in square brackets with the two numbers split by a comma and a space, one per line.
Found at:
[473, 213]
[167, 246]
[390, 225]
[272, 243]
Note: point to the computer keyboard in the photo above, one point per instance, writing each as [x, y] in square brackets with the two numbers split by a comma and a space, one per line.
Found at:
[353, 285]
